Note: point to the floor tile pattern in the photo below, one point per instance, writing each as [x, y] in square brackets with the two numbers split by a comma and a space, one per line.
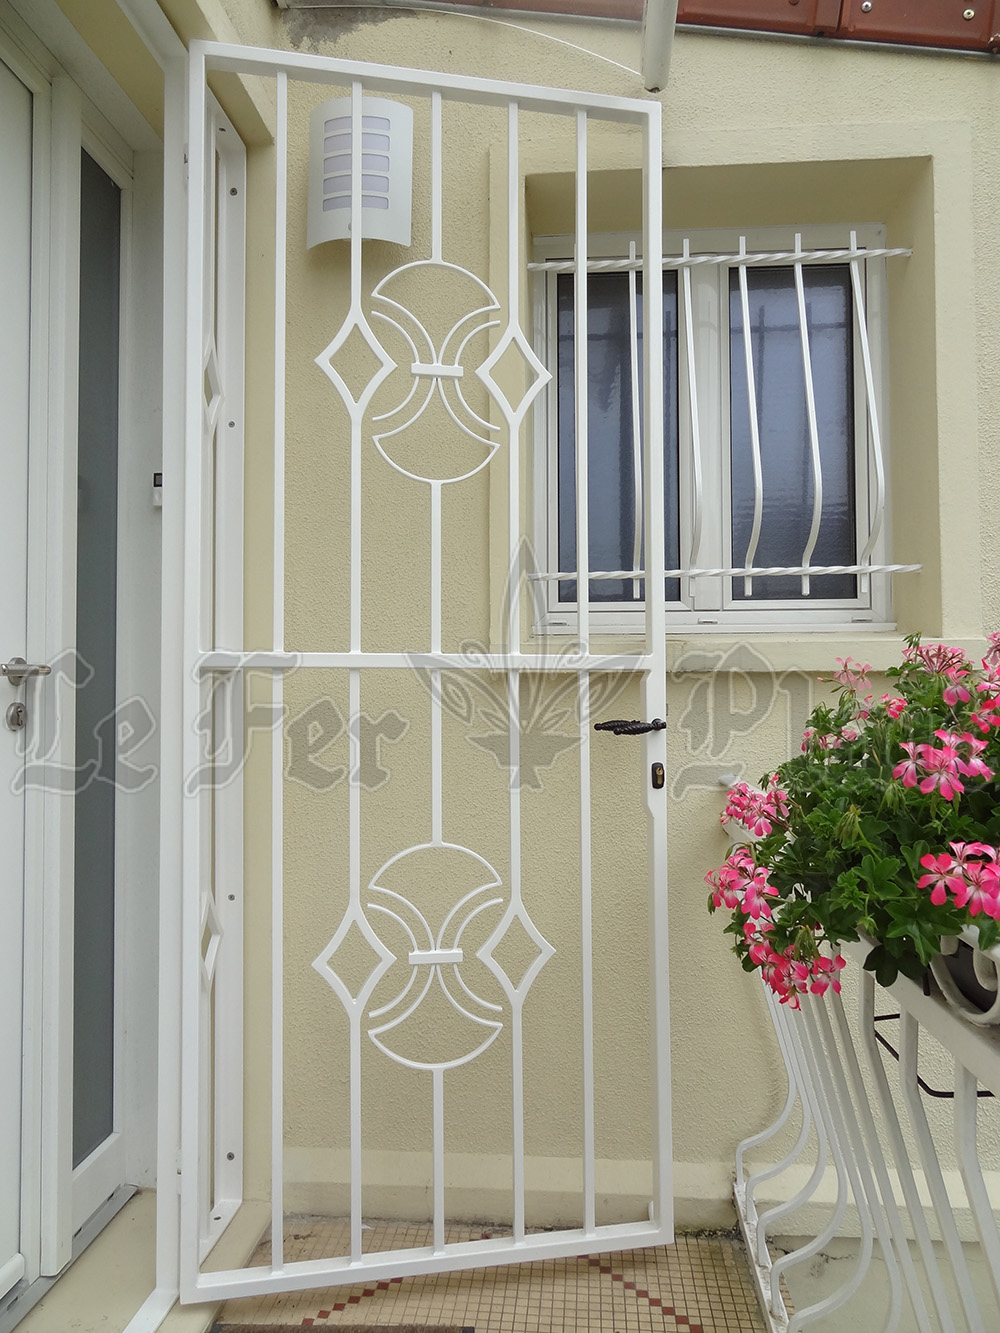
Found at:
[697, 1285]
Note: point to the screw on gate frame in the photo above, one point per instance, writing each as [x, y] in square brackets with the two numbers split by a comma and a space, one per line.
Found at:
[969, 14]
[866, 8]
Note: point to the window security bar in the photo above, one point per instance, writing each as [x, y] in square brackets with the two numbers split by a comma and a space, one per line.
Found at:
[807, 321]
[633, 264]
[731, 571]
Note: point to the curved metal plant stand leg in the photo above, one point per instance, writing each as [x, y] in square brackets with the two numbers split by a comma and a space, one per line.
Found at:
[819, 1242]
[745, 1190]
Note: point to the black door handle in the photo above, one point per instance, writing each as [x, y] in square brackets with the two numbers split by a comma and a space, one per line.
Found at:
[622, 727]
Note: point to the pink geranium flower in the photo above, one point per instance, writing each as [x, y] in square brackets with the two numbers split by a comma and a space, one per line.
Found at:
[853, 674]
[982, 880]
[907, 770]
[941, 878]
[942, 771]
[936, 658]
[955, 692]
[758, 890]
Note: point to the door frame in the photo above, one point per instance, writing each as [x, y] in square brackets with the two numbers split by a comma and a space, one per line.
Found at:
[38, 44]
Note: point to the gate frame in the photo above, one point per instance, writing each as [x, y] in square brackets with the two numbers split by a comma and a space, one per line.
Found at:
[184, 822]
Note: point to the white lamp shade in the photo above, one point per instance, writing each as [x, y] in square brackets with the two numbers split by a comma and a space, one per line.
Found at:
[386, 171]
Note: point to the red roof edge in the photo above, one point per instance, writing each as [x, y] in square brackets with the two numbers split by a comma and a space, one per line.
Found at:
[959, 25]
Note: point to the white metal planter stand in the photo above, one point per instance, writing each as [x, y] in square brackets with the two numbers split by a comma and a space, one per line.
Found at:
[895, 1169]
[437, 953]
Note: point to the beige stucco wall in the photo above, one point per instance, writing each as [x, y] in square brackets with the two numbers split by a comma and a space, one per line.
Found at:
[755, 132]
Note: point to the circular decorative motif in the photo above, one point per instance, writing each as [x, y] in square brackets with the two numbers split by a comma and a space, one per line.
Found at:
[435, 1019]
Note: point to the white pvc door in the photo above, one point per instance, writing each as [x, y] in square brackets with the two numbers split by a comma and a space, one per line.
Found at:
[440, 964]
[15, 267]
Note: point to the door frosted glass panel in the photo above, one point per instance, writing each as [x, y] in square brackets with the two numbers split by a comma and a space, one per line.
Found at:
[786, 457]
[97, 542]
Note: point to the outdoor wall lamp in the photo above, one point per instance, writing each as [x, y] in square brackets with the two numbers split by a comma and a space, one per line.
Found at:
[386, 170]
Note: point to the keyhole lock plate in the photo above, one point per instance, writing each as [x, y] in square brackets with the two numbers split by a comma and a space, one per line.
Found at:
[657, 776]
[17, 716]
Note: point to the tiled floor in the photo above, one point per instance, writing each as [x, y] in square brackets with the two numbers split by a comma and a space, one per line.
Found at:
[698, 1285]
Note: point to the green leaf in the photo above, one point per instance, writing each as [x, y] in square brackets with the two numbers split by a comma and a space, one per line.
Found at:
[884, 966]
[911, 967]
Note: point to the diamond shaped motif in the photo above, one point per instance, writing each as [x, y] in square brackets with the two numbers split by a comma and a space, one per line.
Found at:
[211, 938]
[517, 928]
[356, 327]
[354, 997]
[212, 388]
[513, 337]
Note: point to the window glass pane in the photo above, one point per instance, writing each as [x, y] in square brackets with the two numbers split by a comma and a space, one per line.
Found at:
[611, 470]
[786, 456]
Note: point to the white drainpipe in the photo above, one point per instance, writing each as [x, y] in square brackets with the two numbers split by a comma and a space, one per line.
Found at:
[659, 18]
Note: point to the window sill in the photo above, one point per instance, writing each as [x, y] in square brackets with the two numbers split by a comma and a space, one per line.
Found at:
[760, 651]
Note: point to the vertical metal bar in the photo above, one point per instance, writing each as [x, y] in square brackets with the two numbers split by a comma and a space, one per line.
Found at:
[206, 639]
[277, 681]
[748, 1188]
[863, 1156]
[587, 953]
[438, 1129]
[192, 1108]
[811, 1063]
[172, 981]
[901, 1156]
[277, 980]
[435, 566]
[354, 877]
[633, 326]
[354, 676]
[228, 799]
[513, 646]
[437, 835]
[826, 1066]
[212, 369]
[812, 1112]
[908, 1042]
[876, 1156]
[877, 510]
[228, 802]
[514, 430]
[280, 247]
[758, 474]
[654, 683]
[817, 462]
[356, 416]
[517, 1059]
[436, 191]
[697, 481]
[581, 379]
[206, 1045]
[967, 1150]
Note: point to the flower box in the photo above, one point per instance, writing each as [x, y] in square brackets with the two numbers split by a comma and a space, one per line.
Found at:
[886, 826]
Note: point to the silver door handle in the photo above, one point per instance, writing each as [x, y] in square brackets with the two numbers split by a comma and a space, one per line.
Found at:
[17, 669]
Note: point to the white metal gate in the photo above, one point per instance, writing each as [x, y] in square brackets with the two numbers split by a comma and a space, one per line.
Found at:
[376, 841]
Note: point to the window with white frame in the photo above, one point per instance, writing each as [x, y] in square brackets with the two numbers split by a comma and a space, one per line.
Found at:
[774, 429]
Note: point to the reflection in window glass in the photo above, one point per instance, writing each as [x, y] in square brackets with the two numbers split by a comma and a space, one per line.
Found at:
[786, 455]
[611, 470]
